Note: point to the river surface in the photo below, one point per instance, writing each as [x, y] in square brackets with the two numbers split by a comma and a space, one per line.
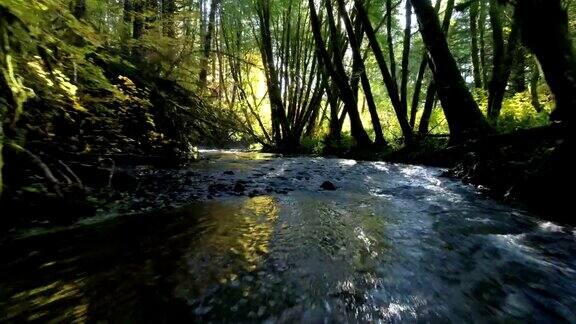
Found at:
[392, 243]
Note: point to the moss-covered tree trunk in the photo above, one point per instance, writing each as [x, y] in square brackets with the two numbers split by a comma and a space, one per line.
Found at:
[465, 119]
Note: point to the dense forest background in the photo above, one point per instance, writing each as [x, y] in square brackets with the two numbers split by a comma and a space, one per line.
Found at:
[90, 83]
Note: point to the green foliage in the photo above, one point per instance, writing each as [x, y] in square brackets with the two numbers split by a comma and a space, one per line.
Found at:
[518, 113]
[312, 145]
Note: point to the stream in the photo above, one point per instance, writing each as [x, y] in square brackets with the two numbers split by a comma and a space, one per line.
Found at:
[258, 240]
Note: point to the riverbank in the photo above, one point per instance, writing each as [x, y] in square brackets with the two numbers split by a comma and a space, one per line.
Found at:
[530, 167]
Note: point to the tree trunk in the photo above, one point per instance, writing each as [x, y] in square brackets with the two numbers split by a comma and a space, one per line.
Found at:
[474, 7]
[431, 97]
[126, 28]
[391, 85]
[346, 91]
[359, 62]
[519, 70]
[390, 40]
[338, 75]
[549, 40]
[534, 79]
[482, 39]
[420, 80]
[278, 113]
[417, 90]
[405, 59]
[428, 107]
[498, 53]
[207, 44]
[334, 126]
[465, 119]
[502, 60]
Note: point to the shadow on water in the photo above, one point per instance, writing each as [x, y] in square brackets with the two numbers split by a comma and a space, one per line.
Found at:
[133, 269]
[394, 243]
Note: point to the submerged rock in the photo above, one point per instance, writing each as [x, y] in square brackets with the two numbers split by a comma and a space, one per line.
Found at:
[327, 185]
[217, 187]
[239, 187]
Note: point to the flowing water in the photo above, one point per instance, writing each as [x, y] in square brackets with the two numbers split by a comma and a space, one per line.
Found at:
[393, 243]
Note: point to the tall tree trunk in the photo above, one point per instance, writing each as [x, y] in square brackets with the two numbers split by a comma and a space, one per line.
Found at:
[207, 44]
[465, 119]
[519, 70]
[428, 107]
[335, 130]
[534, 79]
[391, 85]
[127, 27]
[359, 61]
[390, 39]
[502, 59]
[419, 80]
[338, 75]
[431, 97]
[482, 39]
[474, 8]
[346, 91]
[498, 53]
[549, 40]
[417, 90]
[406, 59]
[278, 113]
